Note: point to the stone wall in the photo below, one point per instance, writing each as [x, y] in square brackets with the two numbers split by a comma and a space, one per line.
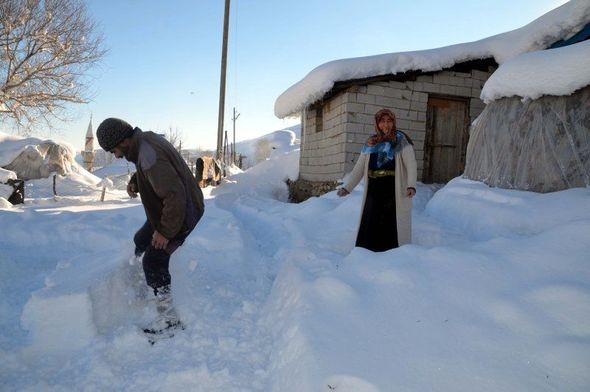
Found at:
[323, 145]
[408, 100]
[301, 189]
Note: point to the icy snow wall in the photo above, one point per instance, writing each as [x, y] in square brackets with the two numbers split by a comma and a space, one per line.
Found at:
[540, 145]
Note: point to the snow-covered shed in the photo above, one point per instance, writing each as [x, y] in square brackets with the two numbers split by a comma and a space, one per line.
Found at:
[534, 133]
[435, 95]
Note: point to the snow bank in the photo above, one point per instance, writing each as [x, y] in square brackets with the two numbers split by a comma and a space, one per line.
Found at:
[6, 191]
[557, 24]
[268, 146]
[266, 179]
[58, 323]
[558, 71]
[116, 168]
[78, 299]
[503, 311]
[483, 213]
[492, 295]
[284, 315]
[76, 184]
[4, 203]
[115, 175]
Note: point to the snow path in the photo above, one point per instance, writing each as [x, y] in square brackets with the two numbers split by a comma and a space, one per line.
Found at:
[221, 279]
[234, 277]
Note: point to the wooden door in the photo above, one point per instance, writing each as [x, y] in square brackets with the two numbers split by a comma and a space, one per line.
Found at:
[447, 125]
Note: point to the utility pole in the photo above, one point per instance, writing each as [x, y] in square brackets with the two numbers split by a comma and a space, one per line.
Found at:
[225, 153]
[233, 155]
[225, 149]
[222, 81]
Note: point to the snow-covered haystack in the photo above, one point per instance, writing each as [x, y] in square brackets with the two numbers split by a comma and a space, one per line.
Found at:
[32, 158]
[533, 134]
[35, 160]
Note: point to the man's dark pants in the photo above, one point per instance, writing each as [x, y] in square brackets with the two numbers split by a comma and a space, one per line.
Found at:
[156, 261]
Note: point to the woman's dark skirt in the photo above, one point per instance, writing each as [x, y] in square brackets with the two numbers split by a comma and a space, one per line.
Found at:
[378, 228]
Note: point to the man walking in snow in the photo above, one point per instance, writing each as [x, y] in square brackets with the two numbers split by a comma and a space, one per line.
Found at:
[172, 201]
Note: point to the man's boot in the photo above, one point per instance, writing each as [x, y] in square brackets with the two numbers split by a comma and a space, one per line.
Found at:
[167, 319]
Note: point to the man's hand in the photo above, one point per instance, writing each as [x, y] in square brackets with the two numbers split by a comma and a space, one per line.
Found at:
[342, 192]
[411, 192]
[132, 189]
[159, 241]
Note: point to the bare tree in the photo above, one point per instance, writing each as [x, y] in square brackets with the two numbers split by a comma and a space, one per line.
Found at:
[175, 137]
[46, 48]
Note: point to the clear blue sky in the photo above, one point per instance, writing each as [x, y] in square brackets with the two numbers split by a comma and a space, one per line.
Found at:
[163, 65]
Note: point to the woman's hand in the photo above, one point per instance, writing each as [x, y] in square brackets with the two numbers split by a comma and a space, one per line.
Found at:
[342, 192]
[411, 192]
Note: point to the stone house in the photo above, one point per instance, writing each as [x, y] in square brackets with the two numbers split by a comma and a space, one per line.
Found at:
[433, 108]
[435, 95]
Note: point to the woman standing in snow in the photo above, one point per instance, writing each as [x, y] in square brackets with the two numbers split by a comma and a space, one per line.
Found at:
[388, 165]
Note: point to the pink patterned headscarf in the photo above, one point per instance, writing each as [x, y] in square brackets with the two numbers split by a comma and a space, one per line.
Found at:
[380, 136]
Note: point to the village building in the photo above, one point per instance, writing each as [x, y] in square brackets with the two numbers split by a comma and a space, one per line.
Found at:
[435, 95]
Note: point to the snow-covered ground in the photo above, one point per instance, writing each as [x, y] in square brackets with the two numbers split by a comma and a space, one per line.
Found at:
[493, 295]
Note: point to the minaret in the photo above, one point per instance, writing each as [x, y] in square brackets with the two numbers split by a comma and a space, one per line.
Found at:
[88, 152]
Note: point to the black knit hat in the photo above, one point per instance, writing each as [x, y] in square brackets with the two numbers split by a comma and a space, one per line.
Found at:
[111, 132]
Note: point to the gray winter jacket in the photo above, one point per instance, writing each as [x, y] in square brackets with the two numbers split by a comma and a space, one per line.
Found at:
[172, 200]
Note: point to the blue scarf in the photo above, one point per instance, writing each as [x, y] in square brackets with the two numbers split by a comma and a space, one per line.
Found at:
[385, 150]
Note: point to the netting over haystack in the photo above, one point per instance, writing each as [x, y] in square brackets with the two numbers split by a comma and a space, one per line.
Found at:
[39, 161]
[541, 145]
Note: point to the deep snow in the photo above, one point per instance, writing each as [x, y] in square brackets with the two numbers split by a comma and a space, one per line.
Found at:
[492, 295]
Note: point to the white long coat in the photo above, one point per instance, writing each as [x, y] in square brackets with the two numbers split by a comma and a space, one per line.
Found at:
[405, 177]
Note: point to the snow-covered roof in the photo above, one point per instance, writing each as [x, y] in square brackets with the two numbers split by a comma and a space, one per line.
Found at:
[547, 72]
[560, 23]
[11, 146]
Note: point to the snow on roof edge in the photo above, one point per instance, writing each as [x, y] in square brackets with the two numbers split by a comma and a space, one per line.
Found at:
[559, 23]
[560, 71]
